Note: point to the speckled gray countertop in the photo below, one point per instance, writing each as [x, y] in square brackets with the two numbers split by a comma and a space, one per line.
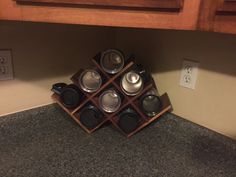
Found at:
[45, 142]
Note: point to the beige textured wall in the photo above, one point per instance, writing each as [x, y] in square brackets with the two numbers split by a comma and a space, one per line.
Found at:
[44, 54]
[213, 102]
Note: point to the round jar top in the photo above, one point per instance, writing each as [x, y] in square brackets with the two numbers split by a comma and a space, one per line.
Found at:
[90, 80]
[90, 117]
[151, 105]
[112, 61]
[70, 96]
[128, 120]
[110, 101]
[131, 83]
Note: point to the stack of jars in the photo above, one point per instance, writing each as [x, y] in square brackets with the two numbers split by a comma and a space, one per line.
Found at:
[112, 90]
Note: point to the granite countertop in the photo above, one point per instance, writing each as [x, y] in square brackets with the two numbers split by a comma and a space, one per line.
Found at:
[46, 142]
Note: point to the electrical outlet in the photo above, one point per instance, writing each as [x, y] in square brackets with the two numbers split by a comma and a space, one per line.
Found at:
[6, 68]
[189, 72]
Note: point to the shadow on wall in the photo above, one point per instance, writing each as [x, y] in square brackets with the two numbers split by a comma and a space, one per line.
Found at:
[42, 51]
[164, 50]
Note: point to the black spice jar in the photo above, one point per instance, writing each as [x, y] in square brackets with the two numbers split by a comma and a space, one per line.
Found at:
[150, 104]
[128, 120]
[90, 116]
[70, 95]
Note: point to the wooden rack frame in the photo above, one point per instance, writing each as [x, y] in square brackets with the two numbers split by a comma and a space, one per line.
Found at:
[127, 101]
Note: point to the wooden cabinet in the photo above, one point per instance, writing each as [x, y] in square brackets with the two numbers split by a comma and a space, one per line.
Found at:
[227, 7]
[9, 10]
[130, 4]
[165, 14]
[218, 16]
[206, 15]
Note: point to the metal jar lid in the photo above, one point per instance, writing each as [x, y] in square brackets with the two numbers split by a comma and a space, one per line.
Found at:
[110, 101]
[112, 61]
[90, 80]
[151, 105]
[131, 83]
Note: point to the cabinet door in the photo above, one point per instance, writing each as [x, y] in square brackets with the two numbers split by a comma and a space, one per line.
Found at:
[162, 14]
[218, 16]
[135, 4]
[227, 7]
[9, 10]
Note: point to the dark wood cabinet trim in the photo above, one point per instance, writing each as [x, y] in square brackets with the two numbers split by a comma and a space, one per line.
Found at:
[227, 7]
[136, 4]
[217, 16]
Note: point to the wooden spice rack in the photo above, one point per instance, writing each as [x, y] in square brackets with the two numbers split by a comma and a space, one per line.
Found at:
[113, 81]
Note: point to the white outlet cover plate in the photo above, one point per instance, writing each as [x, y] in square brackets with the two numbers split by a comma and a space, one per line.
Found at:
[6, 65]
[189, 73]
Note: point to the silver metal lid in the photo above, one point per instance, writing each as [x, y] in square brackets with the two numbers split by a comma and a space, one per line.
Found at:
[112, 61]
[110, 101]
[90, 80]
[131, 83]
